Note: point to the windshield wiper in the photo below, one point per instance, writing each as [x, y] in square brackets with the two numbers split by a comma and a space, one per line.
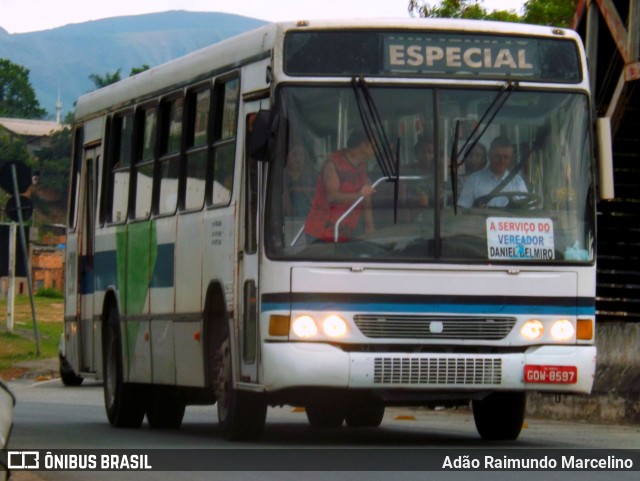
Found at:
[476, 134]
[453, 168]
[373, 127]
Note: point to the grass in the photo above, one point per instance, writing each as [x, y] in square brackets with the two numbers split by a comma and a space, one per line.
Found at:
[20, 345]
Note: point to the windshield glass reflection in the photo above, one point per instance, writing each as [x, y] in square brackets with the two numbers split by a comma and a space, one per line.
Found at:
[346, 185]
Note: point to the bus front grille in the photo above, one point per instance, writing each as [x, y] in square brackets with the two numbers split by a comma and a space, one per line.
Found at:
[427, 327]
[445, 370]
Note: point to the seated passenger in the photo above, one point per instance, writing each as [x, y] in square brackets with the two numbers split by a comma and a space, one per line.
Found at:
[421, 193]
[476, 159]
[485, 181]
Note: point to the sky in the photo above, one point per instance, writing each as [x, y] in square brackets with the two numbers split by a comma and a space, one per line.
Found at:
[19, 16]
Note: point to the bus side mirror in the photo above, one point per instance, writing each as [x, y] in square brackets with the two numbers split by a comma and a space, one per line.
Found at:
[605, 158]
[263, 135]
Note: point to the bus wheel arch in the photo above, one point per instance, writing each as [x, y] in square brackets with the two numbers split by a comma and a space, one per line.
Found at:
[241, 414]
[215, 313]
[123, 402]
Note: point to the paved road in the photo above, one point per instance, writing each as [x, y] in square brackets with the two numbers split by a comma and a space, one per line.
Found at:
[50, 416]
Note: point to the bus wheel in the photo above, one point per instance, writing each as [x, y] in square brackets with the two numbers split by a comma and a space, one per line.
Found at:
[369, 416]
[500, 415]
[241, 414]
[165, 413]
[125, 408]
[325, 415]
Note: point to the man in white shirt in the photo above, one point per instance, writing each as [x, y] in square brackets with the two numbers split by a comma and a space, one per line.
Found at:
[486, 180]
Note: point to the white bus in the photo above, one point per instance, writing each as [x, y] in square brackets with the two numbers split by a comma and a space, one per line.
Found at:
[196, 274]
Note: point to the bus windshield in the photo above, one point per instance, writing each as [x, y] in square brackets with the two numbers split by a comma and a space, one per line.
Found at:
[450, 175]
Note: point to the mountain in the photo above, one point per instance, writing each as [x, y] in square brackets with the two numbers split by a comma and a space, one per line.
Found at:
[62, 59]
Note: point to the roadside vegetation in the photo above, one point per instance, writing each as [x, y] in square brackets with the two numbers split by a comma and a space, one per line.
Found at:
[20, 345]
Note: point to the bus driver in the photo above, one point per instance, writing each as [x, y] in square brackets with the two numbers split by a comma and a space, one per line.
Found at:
[486, 180]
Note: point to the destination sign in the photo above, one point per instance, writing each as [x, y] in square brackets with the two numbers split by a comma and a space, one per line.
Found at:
[453, 55]
[431, 54]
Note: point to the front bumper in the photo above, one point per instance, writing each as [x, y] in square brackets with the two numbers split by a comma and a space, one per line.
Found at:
[317, 365]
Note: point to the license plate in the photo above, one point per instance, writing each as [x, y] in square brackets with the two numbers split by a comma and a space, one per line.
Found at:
[550, 374]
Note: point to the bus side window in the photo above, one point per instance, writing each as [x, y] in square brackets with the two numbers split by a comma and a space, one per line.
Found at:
[120, 164]
[145, 140]
[169, 165]
[198, 106]
[224, 142]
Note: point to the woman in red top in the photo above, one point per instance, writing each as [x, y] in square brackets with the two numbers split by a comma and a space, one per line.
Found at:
[342, 181]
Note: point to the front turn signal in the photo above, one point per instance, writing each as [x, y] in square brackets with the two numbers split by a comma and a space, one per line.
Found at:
[584, 331]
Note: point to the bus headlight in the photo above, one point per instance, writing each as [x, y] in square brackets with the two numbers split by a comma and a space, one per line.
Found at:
[304, 327]
[334, 326]
[562, 330]
[532, 330]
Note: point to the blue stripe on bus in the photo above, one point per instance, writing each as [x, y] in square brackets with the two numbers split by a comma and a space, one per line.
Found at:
[502, 305]
[163, 272]
[105, 270]
[86, 277]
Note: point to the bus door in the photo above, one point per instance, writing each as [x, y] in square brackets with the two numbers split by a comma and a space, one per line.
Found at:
[249, 258]
[85, 261]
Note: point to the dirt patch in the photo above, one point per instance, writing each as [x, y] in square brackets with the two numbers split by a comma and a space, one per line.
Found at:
[13, 373]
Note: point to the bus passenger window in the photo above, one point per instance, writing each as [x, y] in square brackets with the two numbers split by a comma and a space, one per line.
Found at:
[226, 121]
[145, 145]
[170, 155]
[197, 125]
[227, 109]
[122, 129]
[174, 127]
[223, 174]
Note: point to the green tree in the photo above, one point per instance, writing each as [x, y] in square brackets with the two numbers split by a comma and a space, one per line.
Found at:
[11, 149]
[14, 150]
[108, 78]
[53, 163]
[137, 70]
[470, 9]
[542, 12]
[17, 97]
[549, 12]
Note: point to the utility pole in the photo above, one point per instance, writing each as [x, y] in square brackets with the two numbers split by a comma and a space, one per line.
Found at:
[11, 292]
[25, 252]
[15, 178]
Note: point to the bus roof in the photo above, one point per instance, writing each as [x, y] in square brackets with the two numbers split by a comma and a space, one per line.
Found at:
[258, 43]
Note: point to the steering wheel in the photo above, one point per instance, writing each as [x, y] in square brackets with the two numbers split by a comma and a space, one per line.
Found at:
[515, 200]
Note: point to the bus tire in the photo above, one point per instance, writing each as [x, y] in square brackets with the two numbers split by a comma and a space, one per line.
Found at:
[165, 413]
[241, 415]
[123, 402]
[500, 415]
[325, 415]
[367, 416]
